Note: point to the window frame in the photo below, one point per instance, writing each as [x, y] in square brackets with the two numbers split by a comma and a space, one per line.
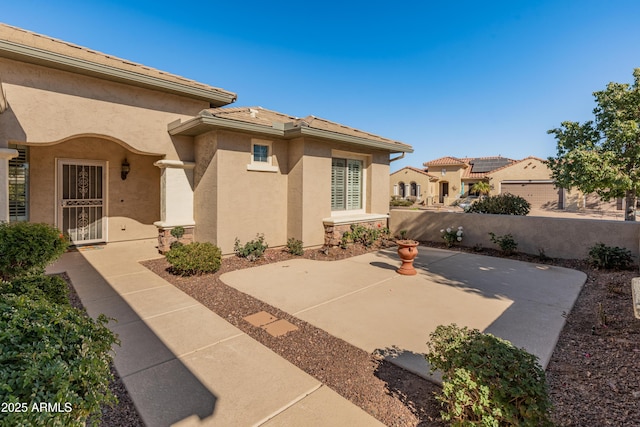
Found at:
[365, 161]
[13, 184]
[258, 165]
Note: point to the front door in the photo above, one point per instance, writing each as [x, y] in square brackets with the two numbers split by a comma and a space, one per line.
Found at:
[81, 200]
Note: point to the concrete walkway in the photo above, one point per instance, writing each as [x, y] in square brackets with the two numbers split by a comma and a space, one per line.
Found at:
[366, 303]
[182, 364]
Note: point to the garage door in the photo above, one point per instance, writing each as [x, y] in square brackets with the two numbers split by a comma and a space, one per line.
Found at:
[541, 195]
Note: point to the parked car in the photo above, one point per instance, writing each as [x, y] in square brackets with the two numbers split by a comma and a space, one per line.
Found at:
[466, 202]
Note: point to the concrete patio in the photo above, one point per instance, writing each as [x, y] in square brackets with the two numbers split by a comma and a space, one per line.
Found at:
[184, 365]
[366, 303]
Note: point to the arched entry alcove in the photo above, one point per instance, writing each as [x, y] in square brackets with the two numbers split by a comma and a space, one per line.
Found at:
[94, 188]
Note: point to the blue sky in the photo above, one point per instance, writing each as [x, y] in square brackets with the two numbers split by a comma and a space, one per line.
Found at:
[464, 78]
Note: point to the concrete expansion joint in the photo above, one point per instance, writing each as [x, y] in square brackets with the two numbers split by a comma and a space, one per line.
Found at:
[171, 311]
[189, 353]
[288, 405]
[116, 276]
[137, 291]
[344, 295]
[146, 368]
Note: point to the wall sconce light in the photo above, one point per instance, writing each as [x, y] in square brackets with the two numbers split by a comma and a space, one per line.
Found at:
[126, 168]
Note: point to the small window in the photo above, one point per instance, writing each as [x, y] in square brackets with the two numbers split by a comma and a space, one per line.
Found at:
[260, 153]
[19, 185]
[261, 157]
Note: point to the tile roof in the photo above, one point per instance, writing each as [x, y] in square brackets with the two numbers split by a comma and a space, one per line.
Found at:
[446, 161]
[62, 49]
[474, 167]
[421, 171]
[265, 117]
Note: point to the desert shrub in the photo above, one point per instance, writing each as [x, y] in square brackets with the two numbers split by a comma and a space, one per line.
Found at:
[52, 288]
[28, 248]
[486, 380]
[610, 257]
[400, 202]
[177, 232]
[502, 204]
[253, 249]
[507, 243]
[53, 353]
[366, 236]
[195, 258]
[294, 247]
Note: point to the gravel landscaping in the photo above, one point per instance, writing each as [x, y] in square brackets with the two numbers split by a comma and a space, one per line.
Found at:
[592, 376]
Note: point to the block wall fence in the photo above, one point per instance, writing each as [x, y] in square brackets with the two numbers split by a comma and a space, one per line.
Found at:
[567, 238]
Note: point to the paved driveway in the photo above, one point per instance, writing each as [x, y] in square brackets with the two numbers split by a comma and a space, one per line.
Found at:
[365, 302]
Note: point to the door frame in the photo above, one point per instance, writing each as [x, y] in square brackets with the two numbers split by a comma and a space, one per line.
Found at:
[105, 193]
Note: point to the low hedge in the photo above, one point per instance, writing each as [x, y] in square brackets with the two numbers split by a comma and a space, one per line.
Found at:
[53, 355]
[195, 258]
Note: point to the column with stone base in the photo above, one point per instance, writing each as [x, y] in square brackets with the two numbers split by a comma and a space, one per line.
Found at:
[176, 198]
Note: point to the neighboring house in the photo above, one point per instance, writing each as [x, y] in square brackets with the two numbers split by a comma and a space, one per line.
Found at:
[414, 184]
[109, 150]
[447, 179]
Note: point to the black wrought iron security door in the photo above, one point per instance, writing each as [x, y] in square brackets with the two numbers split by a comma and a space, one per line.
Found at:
[81, 194]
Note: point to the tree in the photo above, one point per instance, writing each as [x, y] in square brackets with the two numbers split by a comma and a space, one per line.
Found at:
[603, 156]
[482, 187]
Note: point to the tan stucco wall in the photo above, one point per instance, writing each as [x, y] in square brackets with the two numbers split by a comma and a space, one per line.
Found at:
[132, 204]
[205, 193]
[49, 105]
[558, 237]
[528, 169]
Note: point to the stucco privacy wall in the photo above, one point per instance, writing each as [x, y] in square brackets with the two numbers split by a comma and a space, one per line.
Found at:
[558, 237]
[132, 204]
[70, 104]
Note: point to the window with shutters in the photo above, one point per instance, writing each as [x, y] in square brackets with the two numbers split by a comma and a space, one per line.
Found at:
[19, 185]
[346, 184]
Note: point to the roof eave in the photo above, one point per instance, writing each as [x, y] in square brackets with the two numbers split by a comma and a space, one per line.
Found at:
[203, 124]
[319, 133]
[37, 56]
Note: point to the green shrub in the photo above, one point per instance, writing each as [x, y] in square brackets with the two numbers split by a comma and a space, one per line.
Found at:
[251, 250]
[53, 353]
[177, 232]
[486, 380]
[502, 204]
[195, 258]
[294, 247]
[610, 257]
[366, 236]
[52, 288]
[28, 248]
[507, 243]
[400, 202]
[452, 235]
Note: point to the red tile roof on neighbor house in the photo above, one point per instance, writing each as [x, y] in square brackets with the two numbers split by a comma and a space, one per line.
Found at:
[17, 43]
[262, 116]
[474, 167]
[420, 171]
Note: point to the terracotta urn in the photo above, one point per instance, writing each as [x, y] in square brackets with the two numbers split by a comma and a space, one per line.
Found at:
[407, 250]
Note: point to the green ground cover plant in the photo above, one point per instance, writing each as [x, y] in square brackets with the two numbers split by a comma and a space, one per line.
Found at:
[194, 258]
[486, 380]
[610, 257]
[506, 242]
[294, 247]
[253, 249]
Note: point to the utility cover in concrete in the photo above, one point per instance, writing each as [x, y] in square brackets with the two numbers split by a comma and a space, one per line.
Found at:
[260, 319]
[279, 328]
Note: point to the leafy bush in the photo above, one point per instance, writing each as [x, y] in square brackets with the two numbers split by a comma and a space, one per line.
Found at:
[502, 204]
[53, 353]
[610, 257]
[251, 250]
[52, 288]
[294, 247]
[366, 236]
[28, 248]
[452, 235]
[507, 243]
[400, 202]
[195, 258]
[177, 232]
[486, 380]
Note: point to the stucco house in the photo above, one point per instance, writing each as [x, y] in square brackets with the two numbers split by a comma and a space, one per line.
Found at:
[109, 150]
[444, 180]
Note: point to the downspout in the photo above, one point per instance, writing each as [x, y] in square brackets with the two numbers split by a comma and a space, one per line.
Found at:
[401, 156]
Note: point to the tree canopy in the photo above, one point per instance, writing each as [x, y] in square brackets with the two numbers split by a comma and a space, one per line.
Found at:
[603, 156]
